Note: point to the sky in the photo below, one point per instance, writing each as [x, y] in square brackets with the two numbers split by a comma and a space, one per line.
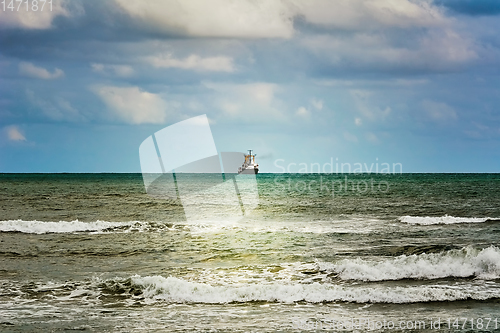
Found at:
[414, 82]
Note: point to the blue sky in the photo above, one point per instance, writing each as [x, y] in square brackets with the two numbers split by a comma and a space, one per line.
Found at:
[360, 81]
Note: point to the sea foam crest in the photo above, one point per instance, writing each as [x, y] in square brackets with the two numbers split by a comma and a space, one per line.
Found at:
[40, 227]
[176, 290]
[195, 227]
[447, 219]
[463, 263]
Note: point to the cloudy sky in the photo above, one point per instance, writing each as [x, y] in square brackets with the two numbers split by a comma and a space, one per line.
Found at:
[414, 82]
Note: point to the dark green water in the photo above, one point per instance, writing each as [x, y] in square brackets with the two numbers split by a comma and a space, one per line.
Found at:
[95, 252]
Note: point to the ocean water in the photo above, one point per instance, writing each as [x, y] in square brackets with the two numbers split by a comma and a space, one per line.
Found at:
[353, 253]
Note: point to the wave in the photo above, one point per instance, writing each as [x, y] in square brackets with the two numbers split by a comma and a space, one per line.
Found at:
[352, 226]
[429, 220]
[195, 227]
[151, 289]
[39, 227]
[177, 290]
[464, 263]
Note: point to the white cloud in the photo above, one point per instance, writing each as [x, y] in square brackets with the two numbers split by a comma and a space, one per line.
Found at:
[360, 94]
[259, 92]
[362, 99]
[446, 46]
[440, 112]
[368, 36]
[303, 112]
[275, 18]
[215, 18]
[434, 50]
[194, 62]
[358, 121]
[118, 70]
[251, 101]
[369, 14]
[478, 130]
[317, 103]
[14, 134]
[30, 70]
[97, 67]
[231, 108]
[370, 82]
[57, 108]
[133, 105]
[30, 19]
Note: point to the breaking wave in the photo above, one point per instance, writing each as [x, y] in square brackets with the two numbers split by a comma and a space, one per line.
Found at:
[39, 227]
[464, 263]
[428, 220]
[195, 227]
[176, 290]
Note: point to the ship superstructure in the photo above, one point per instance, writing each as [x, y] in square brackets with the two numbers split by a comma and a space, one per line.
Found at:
[249, 166]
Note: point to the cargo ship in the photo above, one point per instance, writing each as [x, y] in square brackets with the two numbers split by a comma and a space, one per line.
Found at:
[249, 166]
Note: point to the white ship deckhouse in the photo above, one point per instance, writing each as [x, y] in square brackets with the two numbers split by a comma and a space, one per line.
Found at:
[249, 166]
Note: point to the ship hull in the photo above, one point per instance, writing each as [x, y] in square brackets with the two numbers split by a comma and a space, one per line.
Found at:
[249, 172]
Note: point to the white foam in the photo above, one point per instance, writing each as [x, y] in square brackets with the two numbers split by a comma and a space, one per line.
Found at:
[356, 226]
[39, 227]
[447, 219]
[195, 227]
[467, 262]
[176, 290]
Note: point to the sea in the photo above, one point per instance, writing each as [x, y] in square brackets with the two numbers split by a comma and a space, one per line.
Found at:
[310, 253]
